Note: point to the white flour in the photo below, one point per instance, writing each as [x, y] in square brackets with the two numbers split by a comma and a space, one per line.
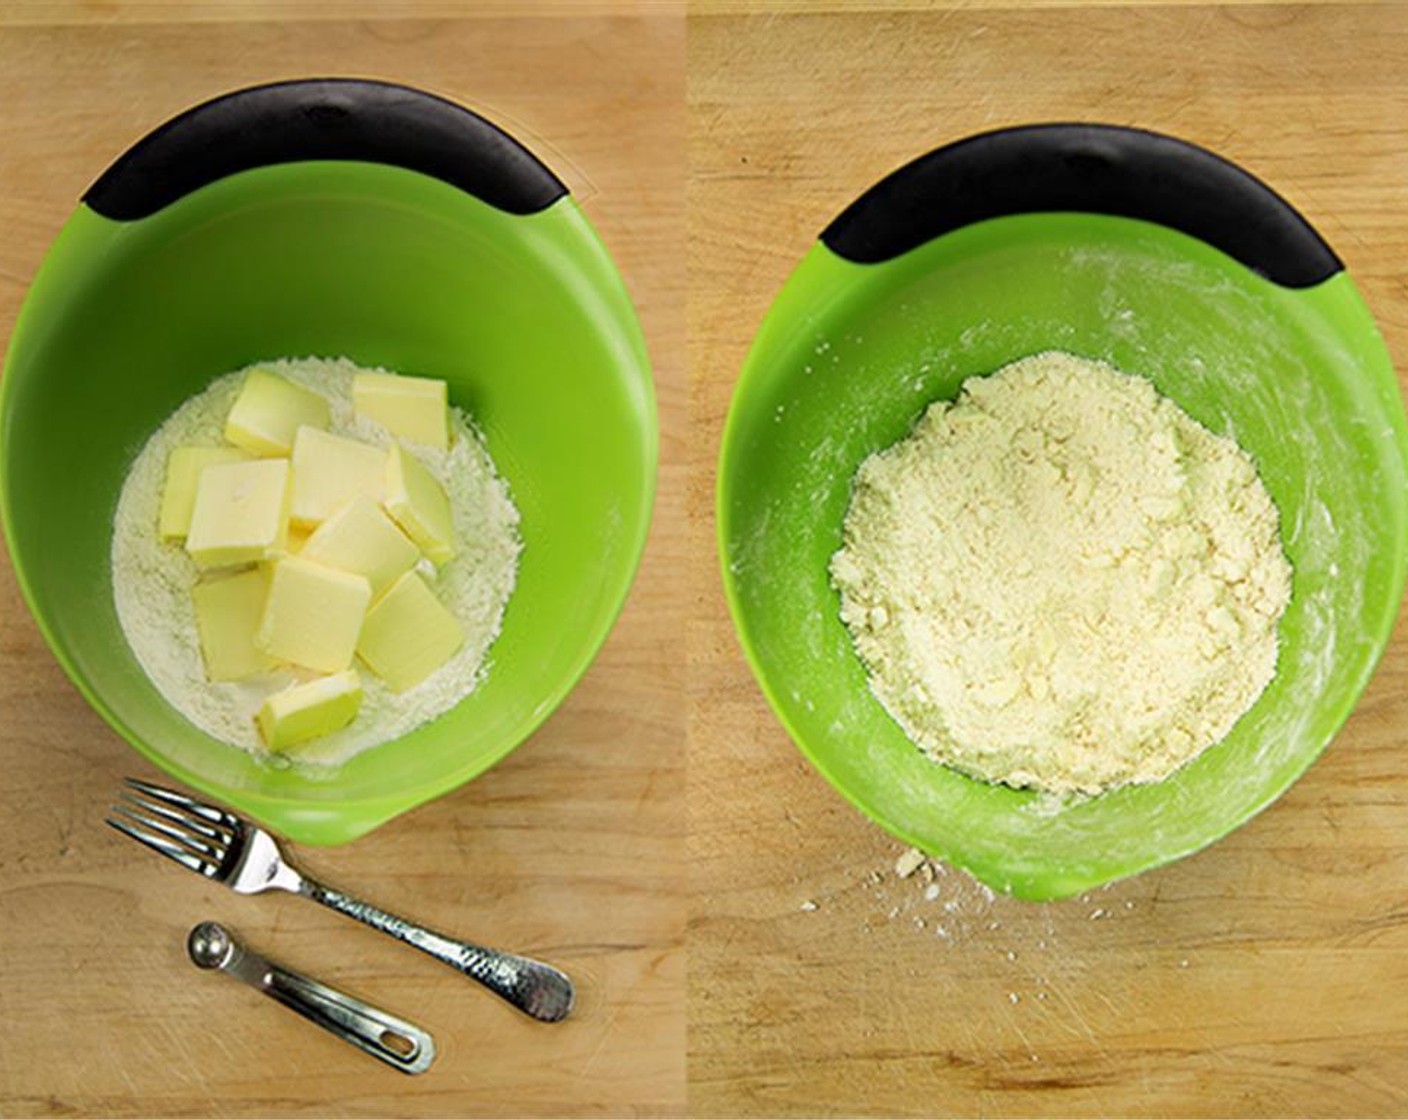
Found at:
[1061, 580]
[152, 580]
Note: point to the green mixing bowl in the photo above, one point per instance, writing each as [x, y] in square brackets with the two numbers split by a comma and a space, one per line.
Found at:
[329, 218]
[1155, 256]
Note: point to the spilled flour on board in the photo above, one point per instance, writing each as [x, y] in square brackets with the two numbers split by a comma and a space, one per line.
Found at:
[1034, 966]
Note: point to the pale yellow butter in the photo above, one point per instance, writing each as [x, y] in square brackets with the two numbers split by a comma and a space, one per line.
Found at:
[269, 411]
[413, 408]
[313, 615]
[361, 539]
[178, 495]
[415, 498]
[228, 609]
[408, 634]
[308, 711]
[240, 513]
[329, 470]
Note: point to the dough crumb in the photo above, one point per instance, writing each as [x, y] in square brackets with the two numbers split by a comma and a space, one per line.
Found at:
[909, 862]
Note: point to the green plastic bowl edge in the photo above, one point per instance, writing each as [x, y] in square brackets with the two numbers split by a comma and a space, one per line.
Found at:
[822, 281]
[87, 233]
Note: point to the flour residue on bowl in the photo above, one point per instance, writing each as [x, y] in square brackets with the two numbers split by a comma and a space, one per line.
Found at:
[152, 580]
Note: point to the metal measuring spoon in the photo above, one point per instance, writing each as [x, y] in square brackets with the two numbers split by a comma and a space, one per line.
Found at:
[395, 1041]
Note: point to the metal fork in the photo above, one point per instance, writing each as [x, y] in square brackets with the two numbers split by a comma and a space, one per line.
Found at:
[222, 847]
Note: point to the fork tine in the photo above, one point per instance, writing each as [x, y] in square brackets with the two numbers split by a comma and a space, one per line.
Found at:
[181, 801]
[161, 809]
[170, 851]
[201, 846]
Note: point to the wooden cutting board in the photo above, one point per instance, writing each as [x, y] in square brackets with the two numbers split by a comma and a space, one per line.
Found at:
[570, 850]
[1267, 976]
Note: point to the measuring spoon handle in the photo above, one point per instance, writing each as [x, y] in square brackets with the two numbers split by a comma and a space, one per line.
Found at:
[394, 1041]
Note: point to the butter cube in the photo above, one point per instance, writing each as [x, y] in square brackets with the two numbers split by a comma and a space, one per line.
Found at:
[313, 615]
[240, 514]
[178, 496]
[413, 408]
[328, 471]
[269, 411]
[228, 609]
[359, 538]
[408, 634]
[306, 711]
[415, 498]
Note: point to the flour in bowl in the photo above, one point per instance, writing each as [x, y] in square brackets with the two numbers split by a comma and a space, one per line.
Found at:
[1061, 580]
[152, 580]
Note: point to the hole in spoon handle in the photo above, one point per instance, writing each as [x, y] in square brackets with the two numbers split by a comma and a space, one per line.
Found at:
[394, 1041]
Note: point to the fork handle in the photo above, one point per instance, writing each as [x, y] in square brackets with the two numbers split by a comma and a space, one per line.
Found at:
[535, 988]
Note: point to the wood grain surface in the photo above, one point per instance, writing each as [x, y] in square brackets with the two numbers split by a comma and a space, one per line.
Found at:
[572, 849]
[1267, 976]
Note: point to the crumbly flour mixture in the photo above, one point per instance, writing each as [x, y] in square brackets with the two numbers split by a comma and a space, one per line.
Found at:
[152, 581]
[1061, 580]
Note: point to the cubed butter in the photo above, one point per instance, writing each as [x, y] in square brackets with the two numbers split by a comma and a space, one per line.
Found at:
[408, 634]
[415, 498]
[329, 470]
[228, 609]
[313, 615]
[413, 408]
[361, 539]
[178, 495]
[240, 513]
[307, 711]
[269, 411]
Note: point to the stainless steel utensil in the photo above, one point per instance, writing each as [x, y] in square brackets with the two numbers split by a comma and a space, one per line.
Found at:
[396, 1042]
[222, 847]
